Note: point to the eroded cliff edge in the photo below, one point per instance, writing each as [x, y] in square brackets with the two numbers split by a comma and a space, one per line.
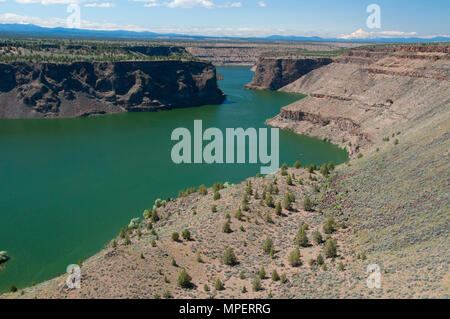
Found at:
[368, 94]
[273, 73]
[78, 89]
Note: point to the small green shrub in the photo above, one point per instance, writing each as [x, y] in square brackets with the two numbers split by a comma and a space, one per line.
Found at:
[301, 239]
[218, 285]
[186, 234]
[330, 248]
[184, 280]
[229, 258]
[256, 284]
[262, 273]
[175, 236]
[226, 228]
[268, 245]
[294, 258]
[275, 276]
[307, 204]
[317, 237]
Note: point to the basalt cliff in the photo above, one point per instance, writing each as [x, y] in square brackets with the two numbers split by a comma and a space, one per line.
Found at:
[274, 73]
[367, 93]
[79, 89]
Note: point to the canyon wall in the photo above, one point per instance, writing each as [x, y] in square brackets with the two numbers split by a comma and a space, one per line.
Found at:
[274, 73]
[368, 94]
[52, 90]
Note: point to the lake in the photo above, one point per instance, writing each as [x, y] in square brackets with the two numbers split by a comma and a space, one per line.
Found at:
[67, 186]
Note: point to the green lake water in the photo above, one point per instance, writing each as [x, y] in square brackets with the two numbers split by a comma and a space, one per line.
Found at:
[67, 186]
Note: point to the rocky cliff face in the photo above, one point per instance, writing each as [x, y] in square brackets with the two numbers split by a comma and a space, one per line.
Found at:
[41, 90]
[369, 94]
[274, 73]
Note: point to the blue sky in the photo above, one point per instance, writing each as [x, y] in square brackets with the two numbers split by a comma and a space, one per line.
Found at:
[327, 18]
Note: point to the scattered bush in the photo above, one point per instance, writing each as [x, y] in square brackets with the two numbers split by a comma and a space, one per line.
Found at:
[301, 239]
[297, 164]
[330, 249]
[262, 273]
[214, 209]
[289, 180]
[184, 280]
[186, 234]
[226, 228]
[268, 218]
[216, 195]
[275, 276]
[238, 214]
[218, 285]
[202, 190]
[268, 245]
[278, 209]
[256, 283]
[269, 200]
[229, 258]
[320, 260]
[175, 236]
[307, 204]
[317, 237]
[294, 258]
[329, 226]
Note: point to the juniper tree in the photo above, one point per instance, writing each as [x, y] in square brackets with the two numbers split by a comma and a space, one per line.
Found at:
[175, 236]
[269, 200]
[317, 237]
[238, 214]
[301, 239]
[186, 234]
[330, 248]
[268, 245]
[229, 258]
[275, 276]
[320, 260]
[184, 280]
[226, 227]
[218, 285]
[289, 180]
[278, 208]
[262, 273]
[294, 258]
[256, 284]
[329, 226]
[307, 204]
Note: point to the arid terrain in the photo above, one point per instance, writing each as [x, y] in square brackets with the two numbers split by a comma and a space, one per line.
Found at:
[388, 205]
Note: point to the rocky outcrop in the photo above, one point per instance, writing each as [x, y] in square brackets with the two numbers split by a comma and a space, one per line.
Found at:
[41, 90]
[274, 73]
[368, 94]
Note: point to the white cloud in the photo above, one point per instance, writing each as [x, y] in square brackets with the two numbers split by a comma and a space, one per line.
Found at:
[262, 4]
[361, 34]
[100, 5]
[47, 2]
[189, 4]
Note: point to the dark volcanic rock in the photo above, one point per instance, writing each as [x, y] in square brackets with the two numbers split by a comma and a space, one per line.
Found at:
[273, 73]
[37, 90]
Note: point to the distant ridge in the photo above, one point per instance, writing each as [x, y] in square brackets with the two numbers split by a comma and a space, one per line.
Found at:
[30, 30]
